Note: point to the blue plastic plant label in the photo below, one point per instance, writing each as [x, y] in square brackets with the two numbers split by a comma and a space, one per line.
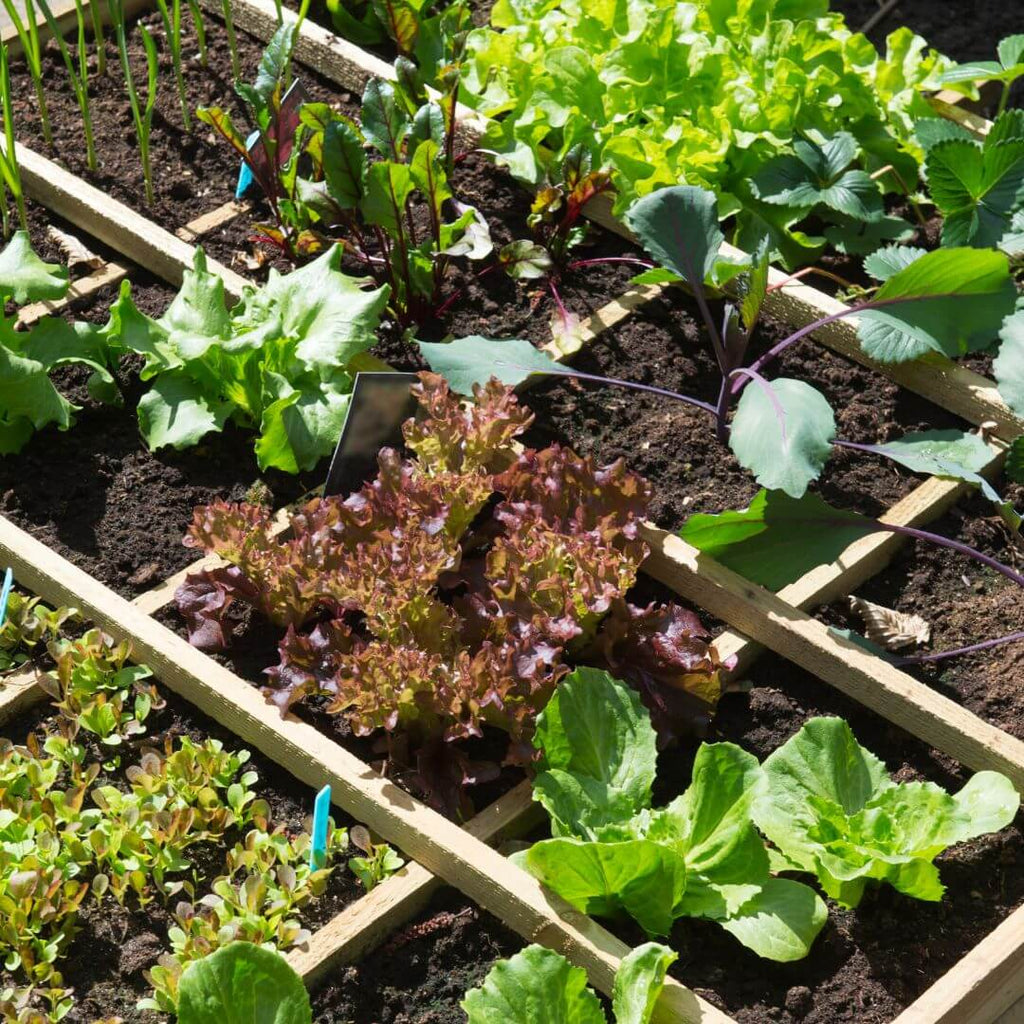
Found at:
[5, 594]
[286, 123]
[245, 179]
[321, 815]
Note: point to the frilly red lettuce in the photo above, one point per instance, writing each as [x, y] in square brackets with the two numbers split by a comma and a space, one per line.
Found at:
[447, 594]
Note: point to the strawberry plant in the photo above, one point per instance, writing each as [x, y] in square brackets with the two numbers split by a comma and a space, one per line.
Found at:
[1006, 69]
[424, 607]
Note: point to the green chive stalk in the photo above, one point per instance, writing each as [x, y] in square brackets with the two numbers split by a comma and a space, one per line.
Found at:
[28, 35]
[9, 159]
[200, 24]
[172, 28]
[79, 77]
[229, 27]
[97, 35]
[141, 115]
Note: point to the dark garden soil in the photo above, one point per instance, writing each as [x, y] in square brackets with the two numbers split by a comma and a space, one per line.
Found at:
[965, 603]
[98, 496]
[115, 944]
[422, 972]
[869, 963]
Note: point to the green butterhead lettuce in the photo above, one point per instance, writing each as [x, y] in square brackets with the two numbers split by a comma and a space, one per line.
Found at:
[241, 983]
[700, 856]
[703, 93]
[280, 362]
[831, 809]
[539, 984]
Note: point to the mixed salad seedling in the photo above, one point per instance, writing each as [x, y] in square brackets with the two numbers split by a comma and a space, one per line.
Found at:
[92, 809]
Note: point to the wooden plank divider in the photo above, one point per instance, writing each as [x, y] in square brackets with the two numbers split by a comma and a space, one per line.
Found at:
[982, 986]
[113, 223]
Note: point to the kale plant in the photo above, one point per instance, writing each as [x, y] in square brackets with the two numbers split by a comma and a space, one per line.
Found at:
[952, 302]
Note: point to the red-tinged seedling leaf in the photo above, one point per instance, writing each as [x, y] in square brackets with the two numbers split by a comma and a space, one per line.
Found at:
[663, 651]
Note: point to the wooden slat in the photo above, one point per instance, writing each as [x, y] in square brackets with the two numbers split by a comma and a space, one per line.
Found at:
[194, 230]
[870, 680]
[112, 222]
[67, 21]
[363, 925]
[438, 844]
[109, 273]
[985, 984]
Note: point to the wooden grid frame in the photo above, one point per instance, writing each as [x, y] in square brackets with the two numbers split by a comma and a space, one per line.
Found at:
[983, 985]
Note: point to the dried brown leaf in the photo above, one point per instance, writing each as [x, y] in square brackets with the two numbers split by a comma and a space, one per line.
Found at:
[74, 250]
[889, 628]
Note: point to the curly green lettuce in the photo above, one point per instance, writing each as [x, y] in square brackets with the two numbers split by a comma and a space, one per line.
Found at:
[703, 93]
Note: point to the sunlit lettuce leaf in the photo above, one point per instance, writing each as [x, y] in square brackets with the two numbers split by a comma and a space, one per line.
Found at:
[830, 806]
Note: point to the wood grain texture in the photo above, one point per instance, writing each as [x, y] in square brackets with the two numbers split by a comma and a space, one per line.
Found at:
[113, 223]
[441, 846]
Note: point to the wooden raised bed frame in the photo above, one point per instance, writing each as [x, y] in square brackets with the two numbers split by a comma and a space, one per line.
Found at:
[986, 983]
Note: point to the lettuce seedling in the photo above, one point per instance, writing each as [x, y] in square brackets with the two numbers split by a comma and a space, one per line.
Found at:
[243, 982]
[701, 856]
[466, 573]
[28, 623]
[539, 984]
[95, 687]
[830, 808]
[280, 363]
[267, 882]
